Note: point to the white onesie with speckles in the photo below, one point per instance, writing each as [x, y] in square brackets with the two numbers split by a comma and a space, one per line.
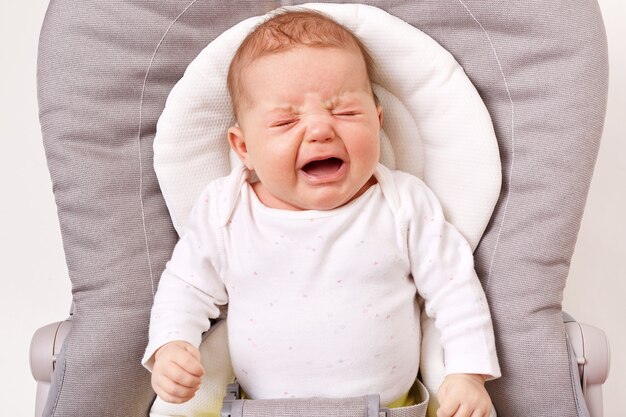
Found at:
[323, 303]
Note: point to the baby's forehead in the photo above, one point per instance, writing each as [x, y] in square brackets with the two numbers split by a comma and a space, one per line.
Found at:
[298, 103]
[285, 90]
[351, 52]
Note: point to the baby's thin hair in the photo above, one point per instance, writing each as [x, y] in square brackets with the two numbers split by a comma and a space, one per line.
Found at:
[289, 29]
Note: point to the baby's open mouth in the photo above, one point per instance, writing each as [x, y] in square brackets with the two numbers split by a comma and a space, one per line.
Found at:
[323, 167]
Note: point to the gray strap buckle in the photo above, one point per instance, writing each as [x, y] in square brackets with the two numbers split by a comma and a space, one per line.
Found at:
[384, 412]
[233, 393]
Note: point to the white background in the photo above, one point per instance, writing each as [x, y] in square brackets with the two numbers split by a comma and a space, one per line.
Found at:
[35, 288]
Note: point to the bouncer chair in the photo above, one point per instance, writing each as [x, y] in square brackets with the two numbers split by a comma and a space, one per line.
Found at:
[508, 99]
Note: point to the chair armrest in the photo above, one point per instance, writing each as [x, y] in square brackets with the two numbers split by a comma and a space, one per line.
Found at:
[44, 348]
[592, 353]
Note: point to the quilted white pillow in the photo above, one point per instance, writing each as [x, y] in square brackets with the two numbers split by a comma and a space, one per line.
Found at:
[435, 127]
[436, 123]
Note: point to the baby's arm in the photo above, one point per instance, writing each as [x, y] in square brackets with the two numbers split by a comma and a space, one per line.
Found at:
[177, 372]
[189, 295]
[463, 395]
[442, 266]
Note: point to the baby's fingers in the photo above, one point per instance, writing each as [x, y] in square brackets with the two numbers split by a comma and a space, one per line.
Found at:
[460, 411]
[482, 413]
[451, 407]
[191, 361]
[181, 376]
[177, 372]
[172, 392]
[448, 408]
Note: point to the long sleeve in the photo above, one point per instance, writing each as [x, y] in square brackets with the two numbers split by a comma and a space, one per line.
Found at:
[191, 289]
[442, 266]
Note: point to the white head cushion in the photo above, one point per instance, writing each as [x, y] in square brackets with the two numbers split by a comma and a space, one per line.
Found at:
[435, 123]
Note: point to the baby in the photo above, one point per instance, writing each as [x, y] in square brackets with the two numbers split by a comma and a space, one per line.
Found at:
[321, 259]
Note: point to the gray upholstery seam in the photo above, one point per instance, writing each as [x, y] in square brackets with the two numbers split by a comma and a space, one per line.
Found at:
[510, 176]
[61, 383]
[574, 376]
[143, 89]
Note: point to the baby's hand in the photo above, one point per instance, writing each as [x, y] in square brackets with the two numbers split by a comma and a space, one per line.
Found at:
[177, 372]
[463, 395]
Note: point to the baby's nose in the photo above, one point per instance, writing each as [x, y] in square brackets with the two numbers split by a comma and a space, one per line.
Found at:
[319, 129]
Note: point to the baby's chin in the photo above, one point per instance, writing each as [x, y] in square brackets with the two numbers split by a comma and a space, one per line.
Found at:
[320, 197]
[323, 201]
[319, 204]
[310, 201]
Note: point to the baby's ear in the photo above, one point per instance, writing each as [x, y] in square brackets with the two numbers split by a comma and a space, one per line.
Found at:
[379, 109]
[238, 144]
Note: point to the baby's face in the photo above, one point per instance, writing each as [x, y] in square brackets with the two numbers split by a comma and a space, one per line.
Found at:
[309, 128]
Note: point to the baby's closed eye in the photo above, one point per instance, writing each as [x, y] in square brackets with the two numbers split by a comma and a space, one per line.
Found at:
[283, 122]
[346, 113]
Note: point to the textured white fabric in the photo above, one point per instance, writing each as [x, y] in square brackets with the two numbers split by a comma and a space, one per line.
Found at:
[436, 123]
[321, 303]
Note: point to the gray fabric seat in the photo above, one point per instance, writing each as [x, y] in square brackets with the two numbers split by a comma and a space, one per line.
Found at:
[105, 69]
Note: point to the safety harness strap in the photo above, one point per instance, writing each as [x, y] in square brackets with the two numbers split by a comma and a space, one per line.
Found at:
[365, 406]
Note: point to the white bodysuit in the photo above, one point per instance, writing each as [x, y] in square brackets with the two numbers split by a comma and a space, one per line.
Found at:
[323, 303]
